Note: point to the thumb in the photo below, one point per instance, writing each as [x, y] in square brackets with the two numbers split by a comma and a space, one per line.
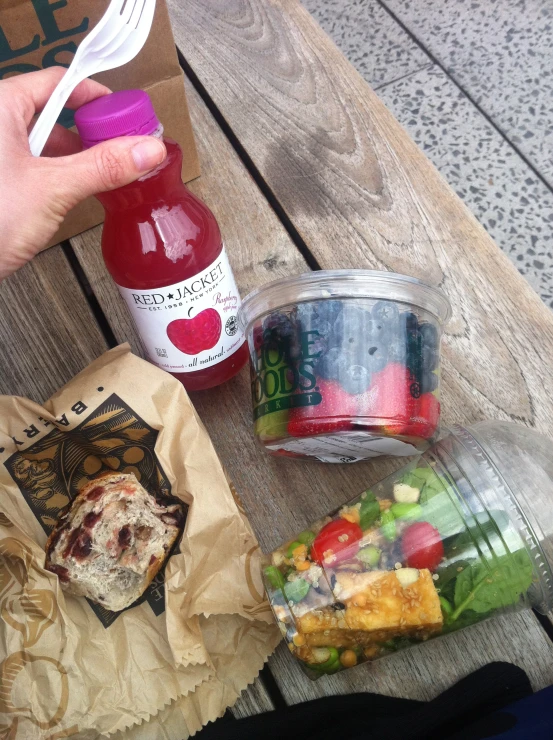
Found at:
[106, 166]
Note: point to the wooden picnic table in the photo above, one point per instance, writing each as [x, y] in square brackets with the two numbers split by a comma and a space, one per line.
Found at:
[305, 168]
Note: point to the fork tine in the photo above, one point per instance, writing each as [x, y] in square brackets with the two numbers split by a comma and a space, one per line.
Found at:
[122, 29]
[130, 6]
[124, 26]
[138, 27]
[114, 8]
[112, 35]
[134, 20]
[146, 16]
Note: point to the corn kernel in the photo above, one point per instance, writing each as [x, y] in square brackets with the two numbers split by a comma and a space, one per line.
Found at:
[384, 504]
[298, 640]
[303, 565]
[348, 659]
[352, 515]
[299, 552]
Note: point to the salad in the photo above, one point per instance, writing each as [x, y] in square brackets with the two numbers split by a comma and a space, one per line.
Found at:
[404, 562]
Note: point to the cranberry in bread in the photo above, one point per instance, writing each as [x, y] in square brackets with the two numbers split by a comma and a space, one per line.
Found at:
[111, 541]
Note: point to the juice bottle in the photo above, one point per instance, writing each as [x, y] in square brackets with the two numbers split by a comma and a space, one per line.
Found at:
[163, 248]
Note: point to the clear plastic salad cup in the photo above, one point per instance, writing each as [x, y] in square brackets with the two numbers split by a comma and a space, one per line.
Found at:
[459, 535]
[345, 364]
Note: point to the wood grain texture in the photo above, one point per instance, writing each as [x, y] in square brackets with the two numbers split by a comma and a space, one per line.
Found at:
[283, 496]
[253, 700]
[361, 194]
[47, 332]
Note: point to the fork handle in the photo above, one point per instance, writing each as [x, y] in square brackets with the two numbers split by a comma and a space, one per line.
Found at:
[51, 111]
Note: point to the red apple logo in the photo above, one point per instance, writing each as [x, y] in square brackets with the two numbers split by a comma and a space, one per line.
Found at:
[192, 336]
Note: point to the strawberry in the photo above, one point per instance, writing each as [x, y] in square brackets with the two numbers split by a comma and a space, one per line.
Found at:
[333, 414]
[389, 402]
[425, 421]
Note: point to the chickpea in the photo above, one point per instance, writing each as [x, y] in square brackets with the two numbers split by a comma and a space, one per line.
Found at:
[348, 659]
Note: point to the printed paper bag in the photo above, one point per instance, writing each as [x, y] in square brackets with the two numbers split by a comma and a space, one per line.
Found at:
[69, 667]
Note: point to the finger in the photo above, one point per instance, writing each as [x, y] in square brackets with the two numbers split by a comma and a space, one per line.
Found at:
[107, 166]
[62, 142]
[32, 90]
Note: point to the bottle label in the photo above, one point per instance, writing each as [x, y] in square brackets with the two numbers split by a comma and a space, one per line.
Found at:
[189, 325]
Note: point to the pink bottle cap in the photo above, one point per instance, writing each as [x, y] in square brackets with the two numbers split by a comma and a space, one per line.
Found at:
[124, 113]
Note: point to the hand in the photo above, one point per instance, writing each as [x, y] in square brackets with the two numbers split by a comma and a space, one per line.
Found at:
[37, 192]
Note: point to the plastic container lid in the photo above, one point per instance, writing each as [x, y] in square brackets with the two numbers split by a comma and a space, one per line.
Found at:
[315, 286]
[514, 466]
[124, 113]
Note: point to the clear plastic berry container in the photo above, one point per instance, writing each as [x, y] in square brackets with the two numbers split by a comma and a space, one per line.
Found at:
[461, 534]
[345, 364]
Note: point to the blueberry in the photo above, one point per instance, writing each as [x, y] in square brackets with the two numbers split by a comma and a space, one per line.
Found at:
[324, 328]
[310, 317]
[356, 379]
[316, 342]
[377, 331]
[375, 357]
[332, 365]
[397, 351]
[429, 335]
[330, 309]
[385, 311]
[280, 331]
[306, 314]
[279, 325]
[351, 328]
[430, 358]
[429, 381]
[409, 320]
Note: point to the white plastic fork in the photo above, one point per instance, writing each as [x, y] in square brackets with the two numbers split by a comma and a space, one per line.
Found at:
[116, 39]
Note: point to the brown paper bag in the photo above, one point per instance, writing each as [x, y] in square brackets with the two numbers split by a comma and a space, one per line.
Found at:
[40, 33]
[69, 667]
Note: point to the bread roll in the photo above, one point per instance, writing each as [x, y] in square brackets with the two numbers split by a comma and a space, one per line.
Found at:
[111, 541]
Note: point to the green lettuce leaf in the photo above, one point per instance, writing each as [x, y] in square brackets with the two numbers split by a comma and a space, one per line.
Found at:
[485, 586]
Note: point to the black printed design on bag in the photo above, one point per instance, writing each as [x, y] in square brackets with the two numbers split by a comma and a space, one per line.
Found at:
[51, 471]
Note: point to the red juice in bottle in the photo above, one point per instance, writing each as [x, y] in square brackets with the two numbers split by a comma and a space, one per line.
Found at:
[163, 248]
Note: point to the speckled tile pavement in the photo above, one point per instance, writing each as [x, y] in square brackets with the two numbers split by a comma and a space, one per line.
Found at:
[501, 53]
[484, 168]
[369, 37]
[501, 190]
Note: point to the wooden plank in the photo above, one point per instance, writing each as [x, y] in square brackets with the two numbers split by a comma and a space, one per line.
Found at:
[253, 700]
[283, 496]
[48, 333]
[361, 194]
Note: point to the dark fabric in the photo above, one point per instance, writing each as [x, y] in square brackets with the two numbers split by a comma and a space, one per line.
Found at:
[371, 716]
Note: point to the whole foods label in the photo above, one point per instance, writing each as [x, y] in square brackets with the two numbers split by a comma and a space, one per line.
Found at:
[345, 447]
[192, 324]
[280, 382]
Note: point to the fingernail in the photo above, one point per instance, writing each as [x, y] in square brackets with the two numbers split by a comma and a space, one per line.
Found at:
[148, 153]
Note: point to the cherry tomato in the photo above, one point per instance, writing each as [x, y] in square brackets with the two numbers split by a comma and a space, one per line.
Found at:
[339, 536]
[422, 546]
